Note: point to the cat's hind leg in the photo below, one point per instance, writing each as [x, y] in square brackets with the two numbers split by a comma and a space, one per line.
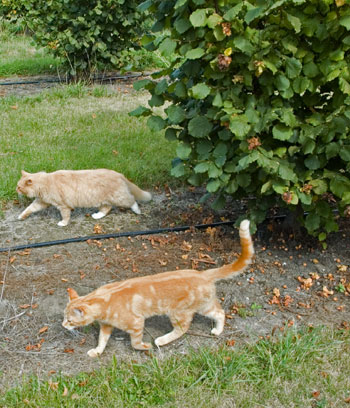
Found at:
[136, 334]
[215, 311]
[102, 212]
[135, 207]
[181, 323]
[35, 206]
[105, 333]
[65, 214]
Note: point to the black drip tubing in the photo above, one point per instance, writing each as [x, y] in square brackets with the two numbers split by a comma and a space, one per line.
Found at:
[113, 235]
[45, 81]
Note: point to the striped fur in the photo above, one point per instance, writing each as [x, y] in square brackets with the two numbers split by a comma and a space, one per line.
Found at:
[178, 294]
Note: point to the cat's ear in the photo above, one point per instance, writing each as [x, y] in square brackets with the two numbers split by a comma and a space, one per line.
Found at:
[79, 311]
[72, 294]
[24, 173]
[29, 182]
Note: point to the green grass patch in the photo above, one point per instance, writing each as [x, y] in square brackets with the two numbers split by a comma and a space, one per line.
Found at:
[298, 369]
[75, 127]
[18, 55]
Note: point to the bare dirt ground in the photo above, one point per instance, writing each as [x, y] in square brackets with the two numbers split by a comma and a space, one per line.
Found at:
[292, 281]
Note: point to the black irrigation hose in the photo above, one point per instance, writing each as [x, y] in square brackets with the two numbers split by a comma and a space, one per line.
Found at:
[113, 235]
[57, 80]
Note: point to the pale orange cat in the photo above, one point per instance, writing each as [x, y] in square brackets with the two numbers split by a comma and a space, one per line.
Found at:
[178, 294]
[68, 189]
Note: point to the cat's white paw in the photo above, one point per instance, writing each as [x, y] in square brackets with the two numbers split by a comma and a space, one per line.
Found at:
[135, 208]
[98, 215]
[21, 217]
[216, 331]
[93, 353]
[62, 223]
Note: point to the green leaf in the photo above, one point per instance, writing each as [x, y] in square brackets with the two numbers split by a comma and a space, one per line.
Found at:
[287, 173]
[156, 123]
[309, 146]
[156, 100]
[200, 91]
[344, 153]
[312, 162]
[345, 22]
[338, 186]
[175, 114]
[239, 126]
[167, 47]
[161, 87]
[170, 134]
[282, 82]
[243, 180]
[344, 86]
[199, 18]
[293, 67]
[213, 185]
[233, 12]
[253, 13]
[201, 167]
[141, 84]
[214, 20]
[294, 21]
[319, 186]
[300, 85]
[214, 171]
[178, 170]
[310, 69]
[243, 45]
[220, 150]
[140, 111]
[195, 53]
[217, 101]
[182, 25]
[332, 150]
[282, 132]
[199, 126]
[183, 151]
[312, 222]
[180, 90]
[232, 187]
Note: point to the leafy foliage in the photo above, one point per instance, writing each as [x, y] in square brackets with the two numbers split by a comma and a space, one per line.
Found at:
[82, 33]
[259, 100]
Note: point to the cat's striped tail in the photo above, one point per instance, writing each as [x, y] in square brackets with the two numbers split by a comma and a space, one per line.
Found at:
[247, 252]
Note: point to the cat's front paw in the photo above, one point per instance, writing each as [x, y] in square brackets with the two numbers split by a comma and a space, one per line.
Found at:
[22, 216]
[216, 331]
[62, 223]
[93, 353]
[98, 215]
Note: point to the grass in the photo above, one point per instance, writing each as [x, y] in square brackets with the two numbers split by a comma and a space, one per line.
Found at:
[298, 369]
[18, 56]
[75, 127]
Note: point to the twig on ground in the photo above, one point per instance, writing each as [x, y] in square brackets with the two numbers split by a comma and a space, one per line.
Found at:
[4, 277]
[13, 317]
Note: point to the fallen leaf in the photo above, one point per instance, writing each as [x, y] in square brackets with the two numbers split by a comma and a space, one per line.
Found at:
[316, 394]
[53, 385]
[326, 292]
[12, 259]
[68, 350]
[26, 306]
[14, 107]
[43, 330]
[65, 392]
[276, 292]
[98, 229]
[230, 343]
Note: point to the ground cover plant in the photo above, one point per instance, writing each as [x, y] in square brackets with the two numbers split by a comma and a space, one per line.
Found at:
[75, 127]
[259, 100]
[294, 369]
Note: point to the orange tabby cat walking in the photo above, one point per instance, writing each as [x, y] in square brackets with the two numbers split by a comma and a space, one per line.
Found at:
[178, 294]
[68, 189]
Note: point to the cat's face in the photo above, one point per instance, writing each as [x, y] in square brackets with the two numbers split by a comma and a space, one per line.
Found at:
[26, 185]
[76, 313]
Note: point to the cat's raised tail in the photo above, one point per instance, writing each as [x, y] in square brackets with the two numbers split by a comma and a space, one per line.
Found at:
[140, 195]
[247, 252]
